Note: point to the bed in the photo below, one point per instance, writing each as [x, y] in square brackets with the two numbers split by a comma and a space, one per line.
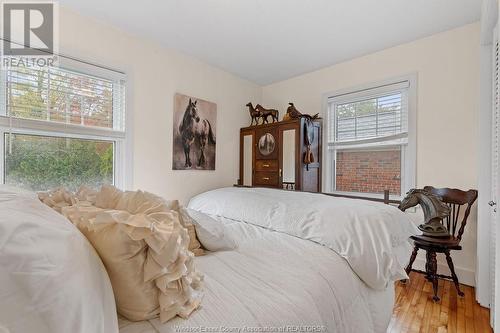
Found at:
[275, 279]
[302, 263]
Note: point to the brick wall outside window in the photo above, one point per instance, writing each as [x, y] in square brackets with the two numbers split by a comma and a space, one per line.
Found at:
[369, 171]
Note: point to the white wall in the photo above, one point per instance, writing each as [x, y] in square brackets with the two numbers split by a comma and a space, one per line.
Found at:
[155, 74]
[447, 65]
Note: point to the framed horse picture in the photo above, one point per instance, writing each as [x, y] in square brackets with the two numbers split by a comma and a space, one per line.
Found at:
[195, 122]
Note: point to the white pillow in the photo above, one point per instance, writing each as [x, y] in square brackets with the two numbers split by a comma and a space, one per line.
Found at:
[210, 232]
[51, 279]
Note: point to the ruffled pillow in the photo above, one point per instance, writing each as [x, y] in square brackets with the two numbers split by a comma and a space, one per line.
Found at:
[144, 246]
[109, 197]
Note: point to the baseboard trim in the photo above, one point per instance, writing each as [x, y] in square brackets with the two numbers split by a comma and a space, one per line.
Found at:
[465, 276]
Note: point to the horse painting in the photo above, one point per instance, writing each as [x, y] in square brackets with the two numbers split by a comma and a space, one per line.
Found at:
[195, 133]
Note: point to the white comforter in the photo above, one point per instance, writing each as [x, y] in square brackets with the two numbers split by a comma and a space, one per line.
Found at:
[281, 275]
[51, 279]
[371, 236]
[274, 280]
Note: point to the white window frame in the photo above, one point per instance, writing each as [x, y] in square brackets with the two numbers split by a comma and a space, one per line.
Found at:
[408, 146]
[122, 171]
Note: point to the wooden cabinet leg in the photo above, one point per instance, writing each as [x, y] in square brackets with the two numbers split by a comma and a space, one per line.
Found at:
[453, 274]
[433, 274]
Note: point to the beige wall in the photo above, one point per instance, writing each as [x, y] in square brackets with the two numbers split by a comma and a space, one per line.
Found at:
[154, 75]
[447, 65]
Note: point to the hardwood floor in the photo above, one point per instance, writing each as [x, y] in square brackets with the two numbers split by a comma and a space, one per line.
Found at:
[416, 312]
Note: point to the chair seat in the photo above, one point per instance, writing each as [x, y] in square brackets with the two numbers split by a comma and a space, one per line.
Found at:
[443, 243]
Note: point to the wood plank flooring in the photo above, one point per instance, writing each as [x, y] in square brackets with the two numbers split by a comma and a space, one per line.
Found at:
[416, 312]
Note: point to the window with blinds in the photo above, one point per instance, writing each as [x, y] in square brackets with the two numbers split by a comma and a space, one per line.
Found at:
[373, 113]
[62, 126]
[367, 139]
[63, 96]
[370, 118]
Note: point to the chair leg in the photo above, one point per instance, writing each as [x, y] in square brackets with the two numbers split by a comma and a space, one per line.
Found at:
[412, 259]
[408, 267]
[428, 274]
[453, 274]
[432, 265]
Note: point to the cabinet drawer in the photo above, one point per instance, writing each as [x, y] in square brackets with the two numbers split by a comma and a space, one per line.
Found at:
[266, 178]
[266, 165]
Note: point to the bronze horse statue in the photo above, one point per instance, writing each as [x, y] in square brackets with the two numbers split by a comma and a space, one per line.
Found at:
[194, 128]
[434, 211]
[254, 114]
[293, 113]
[265, 113]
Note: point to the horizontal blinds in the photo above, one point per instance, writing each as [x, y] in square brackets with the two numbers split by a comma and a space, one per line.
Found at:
[369, 114]
[62, 96]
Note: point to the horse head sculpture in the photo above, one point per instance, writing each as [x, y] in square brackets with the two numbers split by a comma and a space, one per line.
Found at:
[434, 211]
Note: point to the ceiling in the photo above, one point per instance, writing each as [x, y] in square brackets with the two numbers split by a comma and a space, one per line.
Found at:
[266, 41]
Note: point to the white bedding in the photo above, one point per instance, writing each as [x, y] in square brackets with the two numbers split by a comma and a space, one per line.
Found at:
[371, 236]
[51, 279]
[292, 267]
[276, 279]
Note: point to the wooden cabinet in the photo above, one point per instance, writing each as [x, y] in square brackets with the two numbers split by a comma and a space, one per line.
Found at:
[272, 155]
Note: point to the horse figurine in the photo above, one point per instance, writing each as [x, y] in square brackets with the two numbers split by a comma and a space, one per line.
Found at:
[193, 127]
[253, 113]
[293, 113]
[434, 211]
[264, 113]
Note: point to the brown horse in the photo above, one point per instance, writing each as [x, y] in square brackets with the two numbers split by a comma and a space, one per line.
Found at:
[191, 128]
[264, 113]
[253, 113]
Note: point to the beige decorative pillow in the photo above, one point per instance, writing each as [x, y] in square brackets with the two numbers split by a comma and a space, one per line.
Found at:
[144, 247]
[109, 197]
[57, 199]
[194, 244]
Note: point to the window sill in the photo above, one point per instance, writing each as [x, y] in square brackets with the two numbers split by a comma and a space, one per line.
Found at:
[367, 195]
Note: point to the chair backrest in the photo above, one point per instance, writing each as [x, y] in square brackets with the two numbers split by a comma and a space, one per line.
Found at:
[455, 199]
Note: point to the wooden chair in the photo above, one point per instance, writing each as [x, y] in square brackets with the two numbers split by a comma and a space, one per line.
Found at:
[433, 245]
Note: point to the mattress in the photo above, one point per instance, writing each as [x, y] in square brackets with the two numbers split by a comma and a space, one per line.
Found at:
[275, 282]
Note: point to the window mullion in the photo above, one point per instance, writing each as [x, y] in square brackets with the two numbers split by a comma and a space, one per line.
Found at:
[2, 156]
[403, 173]
[48, 94]
[4, 93]
[355, 121]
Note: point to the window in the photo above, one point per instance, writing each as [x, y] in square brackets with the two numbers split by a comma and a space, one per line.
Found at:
[369, 143]
[59, 95]
[62, 126]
